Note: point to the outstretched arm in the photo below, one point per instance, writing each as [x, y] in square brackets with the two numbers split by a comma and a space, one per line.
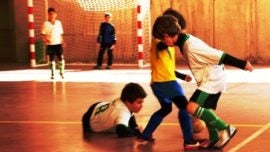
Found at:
[233, 61]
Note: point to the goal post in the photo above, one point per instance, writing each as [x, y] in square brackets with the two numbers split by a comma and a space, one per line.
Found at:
[81, 20]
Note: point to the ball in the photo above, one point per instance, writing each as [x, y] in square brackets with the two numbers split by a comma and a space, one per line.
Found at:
[198, 125]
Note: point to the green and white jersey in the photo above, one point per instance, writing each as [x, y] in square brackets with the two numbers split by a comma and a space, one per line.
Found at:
[107, 115]
[203, 62]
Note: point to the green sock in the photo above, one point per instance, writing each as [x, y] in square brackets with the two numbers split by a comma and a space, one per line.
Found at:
[213, 133]
[61, 66]
[210, 118]
[52, 67]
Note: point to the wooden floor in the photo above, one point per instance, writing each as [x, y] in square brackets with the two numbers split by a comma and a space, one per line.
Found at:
[41, 115]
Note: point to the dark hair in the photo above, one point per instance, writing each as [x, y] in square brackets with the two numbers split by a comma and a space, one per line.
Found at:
[179, 16]
[107, 14]
[165, 24]
[51, 9]
[131, 92]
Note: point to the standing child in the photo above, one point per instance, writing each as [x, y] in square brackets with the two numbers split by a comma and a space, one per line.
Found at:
[106, 39]
[206, 65]
[52, 36]
[116, 116]
[168, 91]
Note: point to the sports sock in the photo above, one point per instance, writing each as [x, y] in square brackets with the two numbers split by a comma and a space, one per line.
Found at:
[186, 125]
[52, 67]
[153, 123]
[213, 133]
[61, 66]
[210, 118]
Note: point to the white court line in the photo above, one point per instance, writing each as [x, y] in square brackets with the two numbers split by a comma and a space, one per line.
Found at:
[250, 138]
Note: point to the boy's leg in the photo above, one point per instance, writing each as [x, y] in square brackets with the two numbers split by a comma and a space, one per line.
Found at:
[155, 121]
[226, 132]
[52, 67]
[199, 98]
[110, 58]
[86, 118]
[50, 52]
[211, 103]
[61, 64]
[100, 56]
[185, 123]
[60, 57]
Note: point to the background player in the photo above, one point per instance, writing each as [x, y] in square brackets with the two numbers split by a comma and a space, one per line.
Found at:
[106, 39]
[52, 36]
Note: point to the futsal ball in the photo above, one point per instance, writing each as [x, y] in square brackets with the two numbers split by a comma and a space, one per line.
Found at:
[198, 125]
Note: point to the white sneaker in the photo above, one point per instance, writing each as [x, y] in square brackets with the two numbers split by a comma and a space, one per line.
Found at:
[225, 136]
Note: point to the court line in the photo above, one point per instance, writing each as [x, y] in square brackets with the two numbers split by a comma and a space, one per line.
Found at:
[78, 122]
[250, 138]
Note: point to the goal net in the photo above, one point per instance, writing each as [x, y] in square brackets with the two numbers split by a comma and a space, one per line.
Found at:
[81, 20]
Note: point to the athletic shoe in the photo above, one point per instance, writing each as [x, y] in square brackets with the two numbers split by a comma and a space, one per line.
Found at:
[108, 67]
[207, 144]
[225, 136]
[202, 142]
[97, 67]
[142, 139]
[193, 145]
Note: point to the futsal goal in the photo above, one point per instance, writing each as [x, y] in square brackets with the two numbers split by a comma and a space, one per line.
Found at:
[81, 20]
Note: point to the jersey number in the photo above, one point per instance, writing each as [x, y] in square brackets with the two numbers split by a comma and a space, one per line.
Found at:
[102, 109]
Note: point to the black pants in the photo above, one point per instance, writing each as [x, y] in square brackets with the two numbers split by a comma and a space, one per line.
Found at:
[103, 48]
[86, 118]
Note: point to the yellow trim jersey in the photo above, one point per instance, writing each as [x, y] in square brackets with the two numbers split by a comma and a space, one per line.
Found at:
[162, 63]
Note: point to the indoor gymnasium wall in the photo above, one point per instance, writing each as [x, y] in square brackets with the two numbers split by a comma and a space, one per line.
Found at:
[238, 27]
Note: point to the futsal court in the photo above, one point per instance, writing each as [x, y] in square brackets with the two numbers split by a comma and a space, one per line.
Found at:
[42, 115]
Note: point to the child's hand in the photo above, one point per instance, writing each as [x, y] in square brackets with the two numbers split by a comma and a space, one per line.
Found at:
[188, 78]
[249, 67]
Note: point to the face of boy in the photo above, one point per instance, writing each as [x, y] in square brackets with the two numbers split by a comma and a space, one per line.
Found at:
[169, 40]
[136, 106]
[108, 19]
[52, 16]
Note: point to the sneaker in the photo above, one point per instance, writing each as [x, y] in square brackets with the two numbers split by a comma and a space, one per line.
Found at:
[192, 145]
[225, 136]
[203, 142]
[97, 67]
[207, 144]
[142, 139]
[108, 67]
